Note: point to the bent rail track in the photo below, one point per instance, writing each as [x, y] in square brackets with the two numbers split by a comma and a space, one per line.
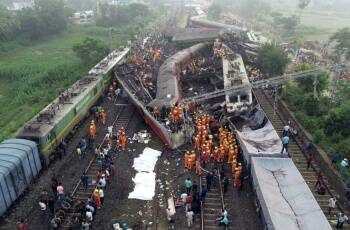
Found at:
[298, 153]
[79, 193]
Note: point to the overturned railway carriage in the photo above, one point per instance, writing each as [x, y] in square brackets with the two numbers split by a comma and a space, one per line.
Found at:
[168, 92]
[235, 74]
[201, 21]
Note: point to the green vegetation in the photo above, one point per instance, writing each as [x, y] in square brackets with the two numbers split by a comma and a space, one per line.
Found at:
[32, 75]
[136, 14]
[90, 51]
[272, 60]
[47, 17]
[342, 40]
[286, 24]
[37, 62]
[328, 120]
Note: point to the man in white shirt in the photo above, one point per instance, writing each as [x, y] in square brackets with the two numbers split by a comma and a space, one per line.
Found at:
[89, 217]
[344, 163]
[331, 204]
[341, 220]
[183, 198]
[43, 212]
[285, 130]
[90, 207]
[110, 131]
[85, 225]
[102, 182]
[169, 215]
[102, 195]
[189, 217]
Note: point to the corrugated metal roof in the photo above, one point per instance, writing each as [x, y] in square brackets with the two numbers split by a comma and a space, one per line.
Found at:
[12, 155]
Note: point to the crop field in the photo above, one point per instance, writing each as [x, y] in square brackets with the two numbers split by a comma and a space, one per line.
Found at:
[32, 75]
[321, 24]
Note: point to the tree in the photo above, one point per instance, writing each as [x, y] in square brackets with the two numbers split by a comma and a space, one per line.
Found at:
[46, 18]
[117, 15]
[342, 40]
[90, 51]
[288, 24]
[52, 15]
[214, 11]
[272, 60]
[307, 83]
[8, 24]
[303, 4]
[338, 120]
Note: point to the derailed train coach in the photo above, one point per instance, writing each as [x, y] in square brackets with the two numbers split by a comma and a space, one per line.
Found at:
[19, 165]
[283, 197]
[285, 200]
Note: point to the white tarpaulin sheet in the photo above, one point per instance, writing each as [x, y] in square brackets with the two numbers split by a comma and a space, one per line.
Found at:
[260, 141]
[145, 179]
[286, 200]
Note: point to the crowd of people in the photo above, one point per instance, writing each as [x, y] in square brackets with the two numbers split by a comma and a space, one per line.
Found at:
[212, 146]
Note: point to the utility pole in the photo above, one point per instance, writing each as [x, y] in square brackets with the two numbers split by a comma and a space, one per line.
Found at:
[315, 86]
[334, 78]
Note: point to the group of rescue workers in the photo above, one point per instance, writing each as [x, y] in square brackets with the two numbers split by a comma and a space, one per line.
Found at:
[205, 151]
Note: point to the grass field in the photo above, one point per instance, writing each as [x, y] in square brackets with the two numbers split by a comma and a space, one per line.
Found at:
[324, 23]
[32, 75]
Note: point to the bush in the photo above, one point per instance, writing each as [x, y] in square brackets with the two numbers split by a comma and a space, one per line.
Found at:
[91, 50]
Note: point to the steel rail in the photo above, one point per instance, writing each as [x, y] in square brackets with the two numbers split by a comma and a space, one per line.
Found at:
[94, 157]
[99, 147]
[202, 211]
[222, 195]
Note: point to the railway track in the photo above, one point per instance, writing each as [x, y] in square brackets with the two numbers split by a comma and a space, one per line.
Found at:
[295, 148]
[79, 193]
[212, 206]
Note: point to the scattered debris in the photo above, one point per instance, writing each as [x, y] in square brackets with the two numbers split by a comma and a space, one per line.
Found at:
[142, 137]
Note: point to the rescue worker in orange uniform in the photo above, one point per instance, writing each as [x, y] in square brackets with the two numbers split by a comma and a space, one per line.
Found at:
[198, 167]
[231, 153]
[123, 142]
[103, 116]
[92, 130]
[191, 160]
[196, 142]
[238, 172]
[96, 198]
[216, 153]
[186, 159]
[122, 139]
[221, 154]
